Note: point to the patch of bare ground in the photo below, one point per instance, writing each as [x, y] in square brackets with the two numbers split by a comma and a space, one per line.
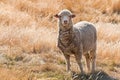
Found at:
[98, 75]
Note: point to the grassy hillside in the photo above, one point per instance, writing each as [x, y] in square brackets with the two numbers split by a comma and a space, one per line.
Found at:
[28, 37]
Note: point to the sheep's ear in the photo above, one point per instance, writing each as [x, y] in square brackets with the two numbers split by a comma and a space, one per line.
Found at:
[72, 16]
[57, 16]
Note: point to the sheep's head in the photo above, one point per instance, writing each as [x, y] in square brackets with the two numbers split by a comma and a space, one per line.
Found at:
[65, 17]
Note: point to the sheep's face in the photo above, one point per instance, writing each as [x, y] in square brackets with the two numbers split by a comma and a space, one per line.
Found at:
[65, 17]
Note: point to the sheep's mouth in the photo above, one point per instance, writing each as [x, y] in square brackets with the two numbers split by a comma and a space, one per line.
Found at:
[65, 24]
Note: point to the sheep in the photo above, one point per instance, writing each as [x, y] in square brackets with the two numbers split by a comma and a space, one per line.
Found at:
[79, 39]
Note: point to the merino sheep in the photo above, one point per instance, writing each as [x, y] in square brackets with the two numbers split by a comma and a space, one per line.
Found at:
[79, 39]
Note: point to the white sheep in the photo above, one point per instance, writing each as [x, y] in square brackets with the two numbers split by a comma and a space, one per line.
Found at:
[79, 39]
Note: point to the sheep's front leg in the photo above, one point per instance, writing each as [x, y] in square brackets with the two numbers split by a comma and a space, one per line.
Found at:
[67, 57]
[78, 57]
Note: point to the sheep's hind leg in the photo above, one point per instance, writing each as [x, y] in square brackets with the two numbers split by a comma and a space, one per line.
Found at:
[87, 57]
[93, 60]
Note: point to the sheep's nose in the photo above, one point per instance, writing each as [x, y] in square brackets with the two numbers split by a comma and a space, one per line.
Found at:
[65, 21]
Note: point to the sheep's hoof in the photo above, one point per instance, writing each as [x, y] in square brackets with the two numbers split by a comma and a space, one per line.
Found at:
[76, 76]
[69, 71]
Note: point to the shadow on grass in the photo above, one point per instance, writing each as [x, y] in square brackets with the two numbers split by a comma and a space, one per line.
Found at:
[98, 75]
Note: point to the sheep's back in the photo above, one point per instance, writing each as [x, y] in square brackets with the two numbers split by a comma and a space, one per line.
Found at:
[87, 35]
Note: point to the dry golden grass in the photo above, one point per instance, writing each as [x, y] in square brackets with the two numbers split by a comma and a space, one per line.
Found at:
[28, 27]
[108, 41]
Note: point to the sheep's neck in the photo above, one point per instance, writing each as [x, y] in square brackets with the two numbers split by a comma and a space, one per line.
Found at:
[66, 37]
